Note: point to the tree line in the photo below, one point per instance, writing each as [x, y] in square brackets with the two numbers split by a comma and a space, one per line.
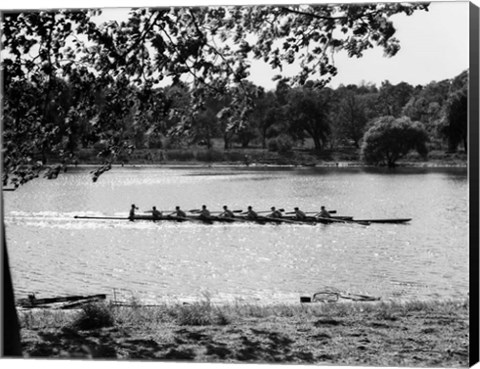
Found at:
[278, 120]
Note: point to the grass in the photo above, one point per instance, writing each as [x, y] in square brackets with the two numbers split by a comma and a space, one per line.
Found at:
[413, 333]
[204, 312]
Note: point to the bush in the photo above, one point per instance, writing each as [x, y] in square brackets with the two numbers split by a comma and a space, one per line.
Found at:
[201, 313]
[180, 155]
[234, 156]
[93, 316]
[86, 155]
[155, 142]
[283, 144]
[210, 155]
[390, 139]
[172, 143]
[100, 146]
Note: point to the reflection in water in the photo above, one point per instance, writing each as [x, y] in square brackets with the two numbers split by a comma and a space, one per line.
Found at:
[53, 253]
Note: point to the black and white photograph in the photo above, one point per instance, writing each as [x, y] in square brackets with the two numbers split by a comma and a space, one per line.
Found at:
[240, 183]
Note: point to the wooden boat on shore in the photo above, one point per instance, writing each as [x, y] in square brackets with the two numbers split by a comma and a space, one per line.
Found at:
[64, 302]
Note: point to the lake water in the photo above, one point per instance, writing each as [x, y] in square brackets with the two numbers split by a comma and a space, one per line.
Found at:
[51, 253]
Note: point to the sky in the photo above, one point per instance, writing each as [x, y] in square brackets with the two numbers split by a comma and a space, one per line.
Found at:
[434, 44]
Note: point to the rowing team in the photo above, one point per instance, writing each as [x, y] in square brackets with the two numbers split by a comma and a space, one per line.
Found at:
[204, 213]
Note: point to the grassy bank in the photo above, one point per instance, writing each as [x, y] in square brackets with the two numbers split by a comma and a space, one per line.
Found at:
[380, 334]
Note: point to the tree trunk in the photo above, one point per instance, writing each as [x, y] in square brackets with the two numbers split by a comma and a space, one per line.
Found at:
[317, 143]
[44, 157]
[226, 139]
[11, 345]
[264, 138]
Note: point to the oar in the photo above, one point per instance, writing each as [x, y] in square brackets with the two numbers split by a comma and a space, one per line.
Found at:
[126, 218]
[313, 212]
[198, 211]
[220, 212]
[161, 211]
[269, 211]
[92, 217]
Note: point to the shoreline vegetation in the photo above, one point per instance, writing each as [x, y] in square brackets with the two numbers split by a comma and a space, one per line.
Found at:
[413, 333]
[263, 157]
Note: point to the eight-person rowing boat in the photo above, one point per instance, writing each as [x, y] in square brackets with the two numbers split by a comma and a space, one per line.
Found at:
[276, 216]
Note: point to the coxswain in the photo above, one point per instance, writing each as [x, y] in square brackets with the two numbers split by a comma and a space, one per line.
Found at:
[275, 213]
[324, 213]
[300, 215]
[251, 214]
[131, 216]
[204, 213]
[179, 213]
[227, 213]
[156, 214]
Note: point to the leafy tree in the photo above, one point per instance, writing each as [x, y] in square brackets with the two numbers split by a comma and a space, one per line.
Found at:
[426, 105]
[283, 144]
[389, 139]
[392, 98]
[268, 117]
[236, 117]
[206, 125]
[351, 117]
[309, 111]
[455, 123]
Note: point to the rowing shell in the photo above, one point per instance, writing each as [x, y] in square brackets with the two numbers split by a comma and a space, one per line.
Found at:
[260, 220]
[398, 220]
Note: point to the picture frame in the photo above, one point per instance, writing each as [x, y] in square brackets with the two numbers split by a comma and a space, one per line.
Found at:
[309, 296]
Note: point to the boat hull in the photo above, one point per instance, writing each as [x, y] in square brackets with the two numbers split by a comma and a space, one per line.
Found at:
[260, 220]
[398, 220]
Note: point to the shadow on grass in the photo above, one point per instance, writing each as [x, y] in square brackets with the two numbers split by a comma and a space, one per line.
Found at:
[69, 343]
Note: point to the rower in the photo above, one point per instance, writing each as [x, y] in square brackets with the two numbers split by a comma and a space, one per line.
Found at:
[204, 213]
[227, 213]
[251, 214]
[323, 213]
[179, 213]
[131, 216]
[300, 215]
[155, 213]
[275, 213]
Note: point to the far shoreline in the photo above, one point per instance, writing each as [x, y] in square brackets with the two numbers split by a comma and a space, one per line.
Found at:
[197, 157]
[344, 164]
